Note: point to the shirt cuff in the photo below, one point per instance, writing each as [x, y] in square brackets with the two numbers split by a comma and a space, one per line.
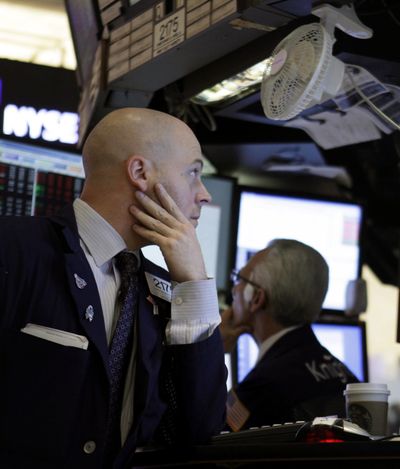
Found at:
[194, 312]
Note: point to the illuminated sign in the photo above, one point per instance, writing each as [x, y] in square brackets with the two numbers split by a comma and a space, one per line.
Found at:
[47, 124]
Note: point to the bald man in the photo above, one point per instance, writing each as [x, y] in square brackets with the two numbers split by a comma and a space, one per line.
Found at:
[59, 308]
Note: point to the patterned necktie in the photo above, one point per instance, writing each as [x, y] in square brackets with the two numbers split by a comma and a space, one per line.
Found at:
[121, 345]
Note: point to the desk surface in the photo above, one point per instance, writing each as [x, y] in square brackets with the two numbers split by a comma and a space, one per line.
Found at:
[382, 455]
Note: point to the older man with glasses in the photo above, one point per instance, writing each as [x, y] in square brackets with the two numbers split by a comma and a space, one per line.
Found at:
[277, 295]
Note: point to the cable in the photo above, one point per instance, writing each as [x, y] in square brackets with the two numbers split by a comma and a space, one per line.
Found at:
[371, 104]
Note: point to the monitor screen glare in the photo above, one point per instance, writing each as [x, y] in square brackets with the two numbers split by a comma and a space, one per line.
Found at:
[332, 228]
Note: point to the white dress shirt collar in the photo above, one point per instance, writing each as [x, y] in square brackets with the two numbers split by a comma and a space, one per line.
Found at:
[101, 239]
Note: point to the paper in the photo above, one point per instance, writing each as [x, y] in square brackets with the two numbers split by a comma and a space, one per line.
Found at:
[57, 336]
[347, 118]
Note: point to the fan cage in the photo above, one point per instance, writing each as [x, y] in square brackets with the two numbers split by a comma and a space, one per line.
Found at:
[283, 99]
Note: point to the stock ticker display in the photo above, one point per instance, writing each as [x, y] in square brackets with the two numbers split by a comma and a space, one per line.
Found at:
[53, 191]
[16, 189]
[28, 191]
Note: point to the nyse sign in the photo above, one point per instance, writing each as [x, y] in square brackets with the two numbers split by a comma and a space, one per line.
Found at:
[49, 125]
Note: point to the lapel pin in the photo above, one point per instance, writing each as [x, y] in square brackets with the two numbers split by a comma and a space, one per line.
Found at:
[80, 283]
[89, 314]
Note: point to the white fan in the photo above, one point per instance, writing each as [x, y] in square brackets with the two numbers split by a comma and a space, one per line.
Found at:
[302, 70]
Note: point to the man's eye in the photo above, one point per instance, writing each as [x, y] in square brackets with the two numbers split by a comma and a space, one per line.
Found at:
[195, 172]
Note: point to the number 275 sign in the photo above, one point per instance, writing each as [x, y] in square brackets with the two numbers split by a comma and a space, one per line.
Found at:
[169, 32]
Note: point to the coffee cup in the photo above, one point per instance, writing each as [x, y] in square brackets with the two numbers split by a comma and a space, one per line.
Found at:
[367, 406]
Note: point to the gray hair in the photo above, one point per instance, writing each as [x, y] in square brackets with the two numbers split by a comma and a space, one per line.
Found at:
[295, 278]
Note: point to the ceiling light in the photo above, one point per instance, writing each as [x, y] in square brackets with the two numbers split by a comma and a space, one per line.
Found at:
[35, 33]
[235, 87]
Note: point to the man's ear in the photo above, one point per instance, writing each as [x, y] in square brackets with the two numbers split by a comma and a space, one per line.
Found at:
[258, 300]
[137, 170]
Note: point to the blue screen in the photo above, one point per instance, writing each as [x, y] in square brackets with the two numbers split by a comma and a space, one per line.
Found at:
[345, 341]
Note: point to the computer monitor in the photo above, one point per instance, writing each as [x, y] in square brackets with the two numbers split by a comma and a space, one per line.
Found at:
[37, 180]
[346, 341]
[332, 227]
[41, 159]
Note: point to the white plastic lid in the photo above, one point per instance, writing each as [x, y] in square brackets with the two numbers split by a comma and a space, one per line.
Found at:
[366, 388]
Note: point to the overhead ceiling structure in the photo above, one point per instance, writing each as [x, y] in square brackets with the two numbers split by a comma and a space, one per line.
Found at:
[161, 54]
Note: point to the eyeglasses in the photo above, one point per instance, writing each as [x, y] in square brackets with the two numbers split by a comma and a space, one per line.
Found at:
[236, 278]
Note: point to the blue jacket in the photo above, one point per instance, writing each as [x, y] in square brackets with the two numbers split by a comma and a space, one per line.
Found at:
[54, 398]
[296, 379]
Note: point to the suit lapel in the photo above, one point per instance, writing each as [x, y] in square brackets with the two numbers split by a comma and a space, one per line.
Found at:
[83, 286]
[87, 303]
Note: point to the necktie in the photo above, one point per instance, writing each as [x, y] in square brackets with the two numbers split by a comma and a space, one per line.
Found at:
[121, 345]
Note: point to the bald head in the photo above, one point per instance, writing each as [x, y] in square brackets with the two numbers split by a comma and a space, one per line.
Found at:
[133, 149]
[125, 132]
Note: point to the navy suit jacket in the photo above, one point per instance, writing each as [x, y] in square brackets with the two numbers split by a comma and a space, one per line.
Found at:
[54, 398]
[296, 379]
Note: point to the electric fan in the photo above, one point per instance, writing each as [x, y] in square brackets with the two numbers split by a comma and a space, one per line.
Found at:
[302, 71]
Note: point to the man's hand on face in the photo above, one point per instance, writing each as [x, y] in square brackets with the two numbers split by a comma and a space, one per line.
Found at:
[165, 225]
[229, 331]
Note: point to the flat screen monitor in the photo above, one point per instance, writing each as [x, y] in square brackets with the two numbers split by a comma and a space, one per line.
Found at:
[37, 180]
[214, 231]
[41, 159]
[346, 341]
[331, 227]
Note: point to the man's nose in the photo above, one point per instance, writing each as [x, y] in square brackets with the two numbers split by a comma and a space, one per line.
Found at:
[204, 197]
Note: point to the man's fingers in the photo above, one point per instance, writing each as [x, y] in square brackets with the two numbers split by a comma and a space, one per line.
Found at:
[150, 235]
[165, 210]
[150, 223]
[154, 209]
[161, 222]
[168, 203]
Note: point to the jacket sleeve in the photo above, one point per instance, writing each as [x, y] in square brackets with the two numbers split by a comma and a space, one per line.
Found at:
[194, 385]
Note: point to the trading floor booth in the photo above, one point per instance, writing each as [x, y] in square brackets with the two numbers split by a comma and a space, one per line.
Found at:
[41, 170]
